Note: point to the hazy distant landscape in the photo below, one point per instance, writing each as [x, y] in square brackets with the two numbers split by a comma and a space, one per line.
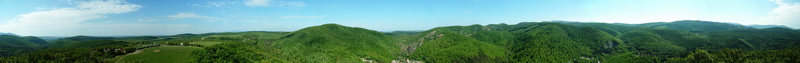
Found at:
[400, 31]
[549, 41]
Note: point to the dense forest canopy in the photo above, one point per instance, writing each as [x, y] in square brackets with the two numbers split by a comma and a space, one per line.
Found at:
[526, 42]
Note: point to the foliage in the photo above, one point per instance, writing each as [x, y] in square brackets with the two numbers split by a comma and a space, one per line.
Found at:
[64, 42]
[11, 40]
[60, 55]
[651, 43]
[732, 56]
[336, 43]
[447, 46]
[696, 26]
[546, 43]
[36, 40]
[228, 52]
[205, 44]
[239, 47]
[554, 42]
[14, 45]
[700, 56]
[526, 42]
[481, 33]
[162, 54]
[788, 55]
[14, 50]
[95, 43]
[629, 57]
[756, 39]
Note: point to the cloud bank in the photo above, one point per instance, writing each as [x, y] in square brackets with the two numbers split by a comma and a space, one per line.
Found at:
[257, 3]
[69, 21]
[182, 15]
[254, 3]
[787, 13]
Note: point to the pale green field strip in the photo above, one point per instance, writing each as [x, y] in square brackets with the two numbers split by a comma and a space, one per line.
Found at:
[205, 44]
[161, 54]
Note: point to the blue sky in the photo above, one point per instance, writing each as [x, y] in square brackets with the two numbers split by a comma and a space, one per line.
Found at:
[168, 17]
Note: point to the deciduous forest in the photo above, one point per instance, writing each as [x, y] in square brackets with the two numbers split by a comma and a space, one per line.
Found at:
[686, 41]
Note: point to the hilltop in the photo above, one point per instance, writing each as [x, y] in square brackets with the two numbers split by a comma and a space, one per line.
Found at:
[696, 26]
[686, 41]
[337, 43]
[13, 44]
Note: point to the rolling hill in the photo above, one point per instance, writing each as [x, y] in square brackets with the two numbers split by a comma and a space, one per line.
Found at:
[458, 44]
[337, 43]
[695, 26]
[525, 42]
[14, 45]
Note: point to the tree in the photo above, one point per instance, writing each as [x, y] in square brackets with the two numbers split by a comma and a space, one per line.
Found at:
[732, 55]
[700, 56]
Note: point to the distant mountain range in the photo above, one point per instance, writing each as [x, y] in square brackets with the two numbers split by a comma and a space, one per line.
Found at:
[685, 41]
[1, 33]
[768, 26]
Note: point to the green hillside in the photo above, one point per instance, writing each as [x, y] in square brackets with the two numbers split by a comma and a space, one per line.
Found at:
[651, 43]
[696, 26]
[614, 29]
[756, 39]
[163, 54]
[459, 44]
[95, 43]
[11, 40]
[336, 43]
[234, 47]
[14, 45]
[768, 26]
[69, 41]
[526, 42]
[554, 42]
[36, 40]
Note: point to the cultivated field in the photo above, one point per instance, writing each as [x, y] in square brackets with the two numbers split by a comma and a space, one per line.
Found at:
[205, 44]
[161, 54]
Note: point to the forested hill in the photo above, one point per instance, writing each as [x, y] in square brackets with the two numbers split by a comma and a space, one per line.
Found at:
[13, 44]
[563, 41]
[696, 26]
[691, 41]
[337, 44]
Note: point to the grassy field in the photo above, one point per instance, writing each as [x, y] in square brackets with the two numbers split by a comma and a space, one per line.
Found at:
[161, 54]
[205, 44]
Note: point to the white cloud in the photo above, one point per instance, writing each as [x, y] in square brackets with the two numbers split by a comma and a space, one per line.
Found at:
[58, 19]
[216, 4]
[294, 4]
[67, 21]
[257, 3]
[112, 29]
[43, 8]
[787, 13]
[254, 3]
[146, 20]
[182, 15]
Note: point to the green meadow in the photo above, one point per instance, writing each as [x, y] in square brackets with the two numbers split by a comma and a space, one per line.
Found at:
[161, 54]
[205, 44]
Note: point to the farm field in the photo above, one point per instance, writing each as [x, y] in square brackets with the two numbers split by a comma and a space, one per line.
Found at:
[161, 54]
[205, 44]
[400, 31]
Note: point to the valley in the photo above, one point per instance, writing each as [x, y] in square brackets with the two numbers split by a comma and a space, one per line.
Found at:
[691, 41]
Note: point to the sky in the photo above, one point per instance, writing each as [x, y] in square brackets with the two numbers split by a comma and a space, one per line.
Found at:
[170, 17]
